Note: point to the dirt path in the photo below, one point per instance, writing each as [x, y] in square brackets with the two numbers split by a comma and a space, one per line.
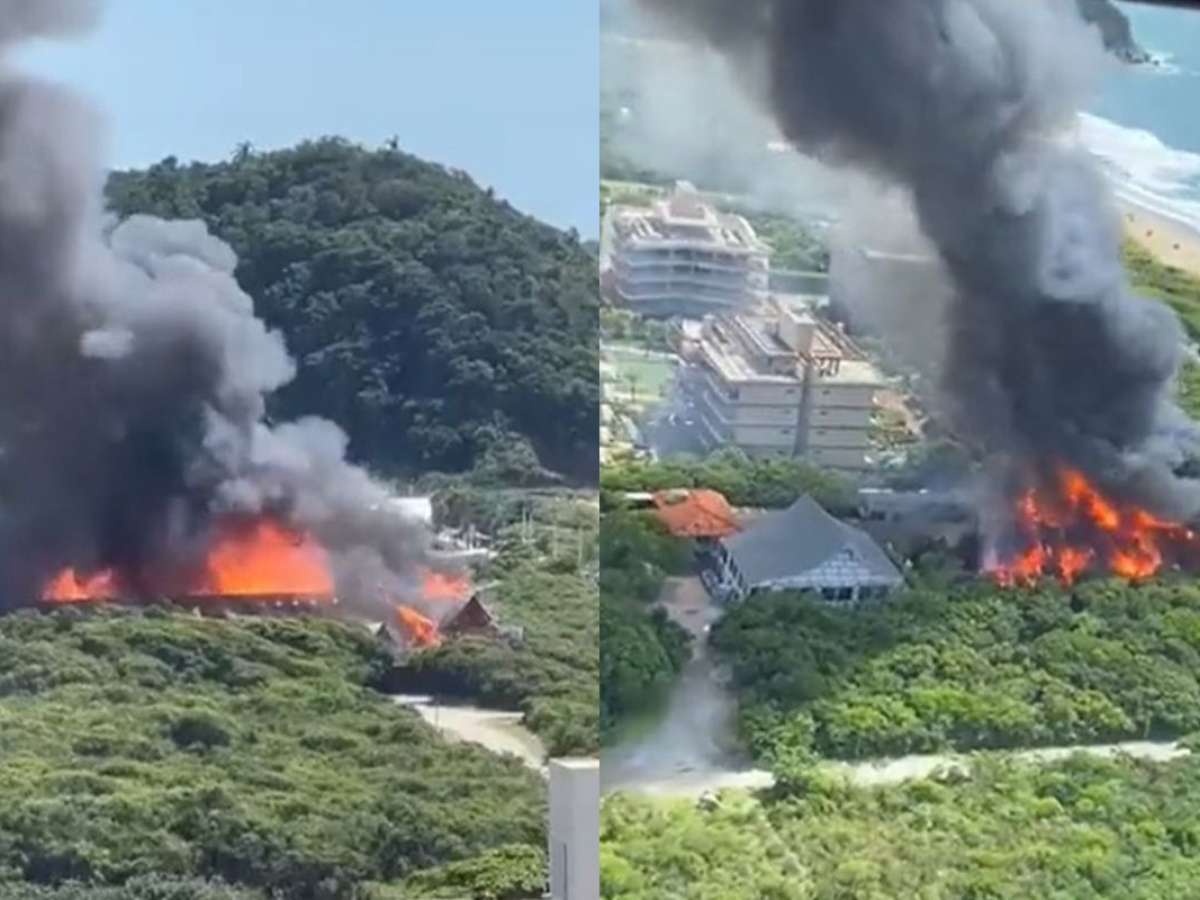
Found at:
[495, 730]
[694, 739]
[691, 750]
[873, 773]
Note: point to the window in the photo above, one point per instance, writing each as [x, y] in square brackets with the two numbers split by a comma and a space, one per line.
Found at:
[829, 593]
[845, 593]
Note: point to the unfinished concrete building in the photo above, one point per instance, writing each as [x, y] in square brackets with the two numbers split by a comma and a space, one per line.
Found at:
[781, 382]
[682, 257]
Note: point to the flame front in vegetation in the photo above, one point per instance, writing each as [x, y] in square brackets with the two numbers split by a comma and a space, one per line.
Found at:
[1070, 527]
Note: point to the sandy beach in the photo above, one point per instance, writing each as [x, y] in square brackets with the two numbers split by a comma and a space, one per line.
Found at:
[1168, 240]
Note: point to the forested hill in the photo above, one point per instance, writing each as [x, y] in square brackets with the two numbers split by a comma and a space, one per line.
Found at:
[430, 319]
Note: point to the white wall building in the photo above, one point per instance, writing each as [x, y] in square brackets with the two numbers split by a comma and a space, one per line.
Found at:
[783, 383]
[574, 833]
[682, 257]
[805, 548]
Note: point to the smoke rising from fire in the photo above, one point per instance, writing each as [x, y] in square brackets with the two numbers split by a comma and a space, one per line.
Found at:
[1051, 360]
[133, 377]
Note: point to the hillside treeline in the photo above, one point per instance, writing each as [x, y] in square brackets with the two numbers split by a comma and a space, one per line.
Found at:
[431, 320]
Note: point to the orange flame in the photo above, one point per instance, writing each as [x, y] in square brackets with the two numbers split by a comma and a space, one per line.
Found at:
[422, 631]
[258, 559]
[268, 559]
[1071, 527]
[445, 586]
[68, 586]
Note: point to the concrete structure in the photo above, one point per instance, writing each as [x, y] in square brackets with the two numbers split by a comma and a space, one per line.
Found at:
[681, 257]
[418, 508]
[574, 833]
[805, 548]
[781, 382]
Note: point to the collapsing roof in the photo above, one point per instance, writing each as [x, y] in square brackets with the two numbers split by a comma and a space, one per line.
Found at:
[803, 537]
[696, 514]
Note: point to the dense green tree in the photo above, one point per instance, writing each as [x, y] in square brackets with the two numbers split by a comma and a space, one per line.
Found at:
[158, 755]
[1004, 830]
[744, 481]
[432, 321]
[977, 666]
[641, 649]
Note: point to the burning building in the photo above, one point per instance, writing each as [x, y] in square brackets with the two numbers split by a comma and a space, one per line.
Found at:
[136, 461]
[1050, 366]
[468, 616]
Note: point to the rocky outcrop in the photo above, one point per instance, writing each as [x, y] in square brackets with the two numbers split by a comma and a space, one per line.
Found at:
[1114, 25]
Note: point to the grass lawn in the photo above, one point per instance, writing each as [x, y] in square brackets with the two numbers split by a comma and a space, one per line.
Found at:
[647, 376]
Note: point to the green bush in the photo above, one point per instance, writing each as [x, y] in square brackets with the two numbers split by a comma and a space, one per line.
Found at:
[1084, 827]
[167, 771]
[745, 482]
[978, 667]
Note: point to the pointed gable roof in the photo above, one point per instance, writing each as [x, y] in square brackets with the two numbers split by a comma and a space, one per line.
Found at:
[790, 542]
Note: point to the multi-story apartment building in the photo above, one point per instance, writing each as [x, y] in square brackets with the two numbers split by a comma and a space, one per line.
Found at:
[681, 257]
[783, 383]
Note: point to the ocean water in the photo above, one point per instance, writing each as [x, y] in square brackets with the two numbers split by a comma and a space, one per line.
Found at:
[1145, 124]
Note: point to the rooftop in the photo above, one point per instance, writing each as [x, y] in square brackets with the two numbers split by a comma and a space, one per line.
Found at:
[683, 217]
[775, 347]
[695, 513]
[796, 540]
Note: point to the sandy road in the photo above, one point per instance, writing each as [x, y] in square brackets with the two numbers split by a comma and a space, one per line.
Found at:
[495, 730]
[874, 773]
[694, 739]
[692, 750]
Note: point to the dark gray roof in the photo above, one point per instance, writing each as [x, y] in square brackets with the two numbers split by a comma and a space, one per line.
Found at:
[792, 541]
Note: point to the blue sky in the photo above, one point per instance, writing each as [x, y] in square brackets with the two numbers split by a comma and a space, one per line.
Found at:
[505, 90]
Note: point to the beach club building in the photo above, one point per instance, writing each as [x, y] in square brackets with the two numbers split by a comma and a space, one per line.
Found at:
[804, 548]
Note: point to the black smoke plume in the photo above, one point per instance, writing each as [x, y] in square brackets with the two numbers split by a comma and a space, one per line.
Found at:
[968, 103]
[133, 373]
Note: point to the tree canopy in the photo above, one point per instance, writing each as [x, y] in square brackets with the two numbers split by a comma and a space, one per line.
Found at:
[641, 649]
[1082, 828]
[773, 483]
[151, 755]
[977, 666]
[429, 319]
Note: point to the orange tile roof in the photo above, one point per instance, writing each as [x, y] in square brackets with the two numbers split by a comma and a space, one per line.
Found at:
[698, 513]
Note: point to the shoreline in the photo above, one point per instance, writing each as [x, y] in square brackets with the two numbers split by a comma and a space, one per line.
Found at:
[1170, 241]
